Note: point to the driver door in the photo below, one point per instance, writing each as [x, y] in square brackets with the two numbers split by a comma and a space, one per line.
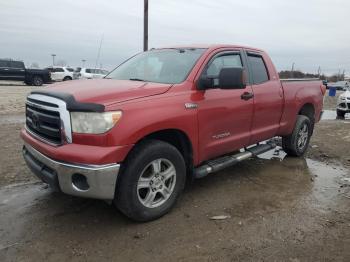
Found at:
[224, 116]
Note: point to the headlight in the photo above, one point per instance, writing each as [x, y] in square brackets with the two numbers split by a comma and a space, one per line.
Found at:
[342, 97]
[94, 123]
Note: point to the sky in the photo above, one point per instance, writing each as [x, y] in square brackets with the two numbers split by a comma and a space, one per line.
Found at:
[309, 33]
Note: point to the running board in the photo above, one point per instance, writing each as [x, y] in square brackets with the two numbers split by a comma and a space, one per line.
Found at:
[227, 161]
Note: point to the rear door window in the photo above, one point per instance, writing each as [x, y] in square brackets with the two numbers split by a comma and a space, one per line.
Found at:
[258, 69]
[17, 64]
[3, 64]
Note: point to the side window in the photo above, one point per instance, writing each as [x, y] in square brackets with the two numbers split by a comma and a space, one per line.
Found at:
[88, 71]
[258, 68]
[225, 60]
[16, 64]
[58, 69]
[3, 64]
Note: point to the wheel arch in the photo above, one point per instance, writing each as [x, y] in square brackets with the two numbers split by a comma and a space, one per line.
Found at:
[179, 139]
[308, 110]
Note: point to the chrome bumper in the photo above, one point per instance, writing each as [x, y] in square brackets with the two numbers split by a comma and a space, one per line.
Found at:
[93, 181]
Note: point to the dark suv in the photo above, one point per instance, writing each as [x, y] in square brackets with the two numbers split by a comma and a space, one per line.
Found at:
[16, 71]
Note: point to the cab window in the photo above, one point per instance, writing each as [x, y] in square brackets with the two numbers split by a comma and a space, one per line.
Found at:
[225, 60]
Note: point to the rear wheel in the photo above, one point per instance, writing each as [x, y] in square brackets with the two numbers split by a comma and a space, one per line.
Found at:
[37, 81]
[340, 113]
[151, 180]
[297, 143]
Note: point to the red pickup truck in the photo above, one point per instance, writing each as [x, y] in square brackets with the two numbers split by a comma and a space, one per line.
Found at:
[162, 117]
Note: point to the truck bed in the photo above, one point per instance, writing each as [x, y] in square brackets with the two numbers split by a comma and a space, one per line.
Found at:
[298, 92]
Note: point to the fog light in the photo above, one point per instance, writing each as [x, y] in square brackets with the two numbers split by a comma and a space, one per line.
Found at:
[79, 182]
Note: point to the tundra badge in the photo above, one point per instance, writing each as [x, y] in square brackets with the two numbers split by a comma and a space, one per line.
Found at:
[191, 105]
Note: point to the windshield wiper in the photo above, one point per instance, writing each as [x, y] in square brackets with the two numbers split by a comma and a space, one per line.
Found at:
[137, 79]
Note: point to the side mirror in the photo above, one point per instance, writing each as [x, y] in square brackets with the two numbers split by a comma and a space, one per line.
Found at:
[205, 82]
[232, 78]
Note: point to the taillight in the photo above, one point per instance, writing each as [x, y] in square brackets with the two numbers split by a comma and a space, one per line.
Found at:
[323, 89]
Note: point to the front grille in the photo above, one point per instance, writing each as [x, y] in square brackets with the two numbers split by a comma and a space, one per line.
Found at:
[44, 123]
[349, 105]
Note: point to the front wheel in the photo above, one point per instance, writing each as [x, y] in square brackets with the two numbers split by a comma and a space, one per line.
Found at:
[151, 180]
[297, 143]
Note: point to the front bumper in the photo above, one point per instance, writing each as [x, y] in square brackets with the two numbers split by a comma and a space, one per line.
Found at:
[344, 105]
[92, 181]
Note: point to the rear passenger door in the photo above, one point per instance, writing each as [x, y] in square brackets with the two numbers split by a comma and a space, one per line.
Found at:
[4, 70]
[58, 74]
[268, 98]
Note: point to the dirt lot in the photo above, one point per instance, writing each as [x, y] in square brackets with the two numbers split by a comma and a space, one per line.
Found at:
[279, 209]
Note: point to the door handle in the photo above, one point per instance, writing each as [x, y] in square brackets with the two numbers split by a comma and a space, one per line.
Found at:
[246, 96]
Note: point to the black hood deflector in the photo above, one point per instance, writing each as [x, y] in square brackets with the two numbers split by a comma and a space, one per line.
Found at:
[72, 104]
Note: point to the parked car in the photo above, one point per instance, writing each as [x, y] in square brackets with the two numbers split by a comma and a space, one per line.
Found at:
[12, 70]
[89, 73]
[340, 85]
[162, 117]
[343, 104]
[325, 83]
[61, 73]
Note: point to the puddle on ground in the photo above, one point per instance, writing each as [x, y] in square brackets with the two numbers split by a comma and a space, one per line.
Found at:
[252, 189]
[12, 119]
[326, 180]
[332, 115]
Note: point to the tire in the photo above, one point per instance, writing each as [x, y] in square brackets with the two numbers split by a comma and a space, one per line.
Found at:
[37, 81]
[67, 78]
[134, 187]
[297, 143]
[340, 113]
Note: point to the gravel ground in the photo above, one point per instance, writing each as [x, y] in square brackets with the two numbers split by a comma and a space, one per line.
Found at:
[280, 209]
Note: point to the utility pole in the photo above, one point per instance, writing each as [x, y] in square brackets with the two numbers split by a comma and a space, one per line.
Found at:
[53, 59]
[145, 25]
[293, 70]
[319, 71]
[98, 53]
[83, 62]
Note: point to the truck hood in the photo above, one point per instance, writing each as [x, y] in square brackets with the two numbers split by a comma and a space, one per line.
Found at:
[108, 91]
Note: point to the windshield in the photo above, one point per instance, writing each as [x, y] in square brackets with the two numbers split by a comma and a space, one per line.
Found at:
[169, 66]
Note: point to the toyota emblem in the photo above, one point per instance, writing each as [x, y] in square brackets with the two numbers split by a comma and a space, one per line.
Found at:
[35, 121]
